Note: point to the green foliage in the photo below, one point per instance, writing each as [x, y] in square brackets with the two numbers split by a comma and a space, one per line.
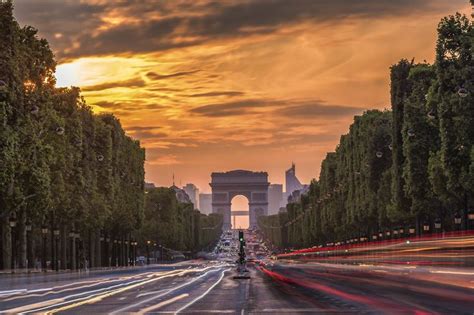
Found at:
[177, 225]
[60, 163]
[412, 165]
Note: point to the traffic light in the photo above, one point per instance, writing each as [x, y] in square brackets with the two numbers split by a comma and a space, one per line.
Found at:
[241, 236]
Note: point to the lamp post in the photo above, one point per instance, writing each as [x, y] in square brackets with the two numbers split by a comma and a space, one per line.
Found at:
[77, 241]
[29, 247]
[101, 249]
[126, 253]
[72, 260]
[457, 221]
[437, 225]
[56, 242]
[470, 219]
[426, 227]
[401, 231]
[44, 232]
[115, 252]
[148, 252]
[12, 221]
[107, 252]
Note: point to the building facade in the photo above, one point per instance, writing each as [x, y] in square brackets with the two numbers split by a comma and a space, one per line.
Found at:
[205, 203]
[193, 192]
[275, 198]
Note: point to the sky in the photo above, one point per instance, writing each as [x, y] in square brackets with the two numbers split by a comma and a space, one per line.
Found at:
[220, 85]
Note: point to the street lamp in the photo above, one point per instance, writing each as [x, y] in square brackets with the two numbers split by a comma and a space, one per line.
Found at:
[457, 220]
[401, 231]
[12, 220]
[470, 218]
[29, 256]
[395, 233]
[411, 230]
[56, 242]
[44, 232]
[72, 234]
[148, 252]
[426, 227]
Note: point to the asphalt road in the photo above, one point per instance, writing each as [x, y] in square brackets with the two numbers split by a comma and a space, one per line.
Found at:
[275, 287]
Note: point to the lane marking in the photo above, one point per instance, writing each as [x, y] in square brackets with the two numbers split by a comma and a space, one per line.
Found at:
[121, 310]
[161, 304]
[205, 293]
[151, 292]
[25, 308]
[62, 301]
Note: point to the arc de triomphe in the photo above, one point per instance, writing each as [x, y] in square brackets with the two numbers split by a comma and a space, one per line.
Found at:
[253, 185]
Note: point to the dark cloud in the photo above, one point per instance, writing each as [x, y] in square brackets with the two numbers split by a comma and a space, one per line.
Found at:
[231, 108]
[192, 22]
[132, 83]
[316, 109]
[142, 128]
[222, 93]
[146, 135]
[155, 76]
[285, 108]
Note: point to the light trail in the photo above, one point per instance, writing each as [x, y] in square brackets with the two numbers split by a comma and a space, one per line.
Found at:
[121, 310]
[204, 294]
[65, 300]
[161, 304]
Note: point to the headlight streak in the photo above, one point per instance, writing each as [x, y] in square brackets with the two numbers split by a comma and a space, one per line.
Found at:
[121, 310]
[32, 308]
[161, 304]
[52, 290]
[204, 294]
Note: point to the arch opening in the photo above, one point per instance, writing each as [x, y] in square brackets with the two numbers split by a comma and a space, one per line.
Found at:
[240, 212]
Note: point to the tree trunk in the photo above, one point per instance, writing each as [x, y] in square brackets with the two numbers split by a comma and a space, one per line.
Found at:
[6, 244]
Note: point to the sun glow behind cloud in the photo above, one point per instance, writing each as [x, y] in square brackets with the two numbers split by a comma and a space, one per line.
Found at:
[209, 86]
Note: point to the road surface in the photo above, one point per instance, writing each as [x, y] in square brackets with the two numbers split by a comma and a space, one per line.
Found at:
[275, 287]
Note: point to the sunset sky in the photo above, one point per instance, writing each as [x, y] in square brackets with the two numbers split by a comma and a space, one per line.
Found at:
[220, 85]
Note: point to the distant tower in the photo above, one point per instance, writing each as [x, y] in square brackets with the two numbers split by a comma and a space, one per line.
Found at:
[292, 183]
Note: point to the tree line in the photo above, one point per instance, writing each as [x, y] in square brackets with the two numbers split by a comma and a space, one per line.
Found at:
[400, 172]
[71, 181]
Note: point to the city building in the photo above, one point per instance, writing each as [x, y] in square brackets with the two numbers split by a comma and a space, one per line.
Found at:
[275, 198]
[149, 186]
[193, 192]
[181, 195]
[205, 203]
[293, 184]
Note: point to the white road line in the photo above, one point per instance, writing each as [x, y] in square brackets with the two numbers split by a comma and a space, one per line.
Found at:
[204, 294]
[31, 308]
[161, 304]
[121, 310]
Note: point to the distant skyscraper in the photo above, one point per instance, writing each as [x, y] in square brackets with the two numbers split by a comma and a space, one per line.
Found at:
[275, 198]
[205, 203]
[193, 192]
[292, 183]
[181, 195]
